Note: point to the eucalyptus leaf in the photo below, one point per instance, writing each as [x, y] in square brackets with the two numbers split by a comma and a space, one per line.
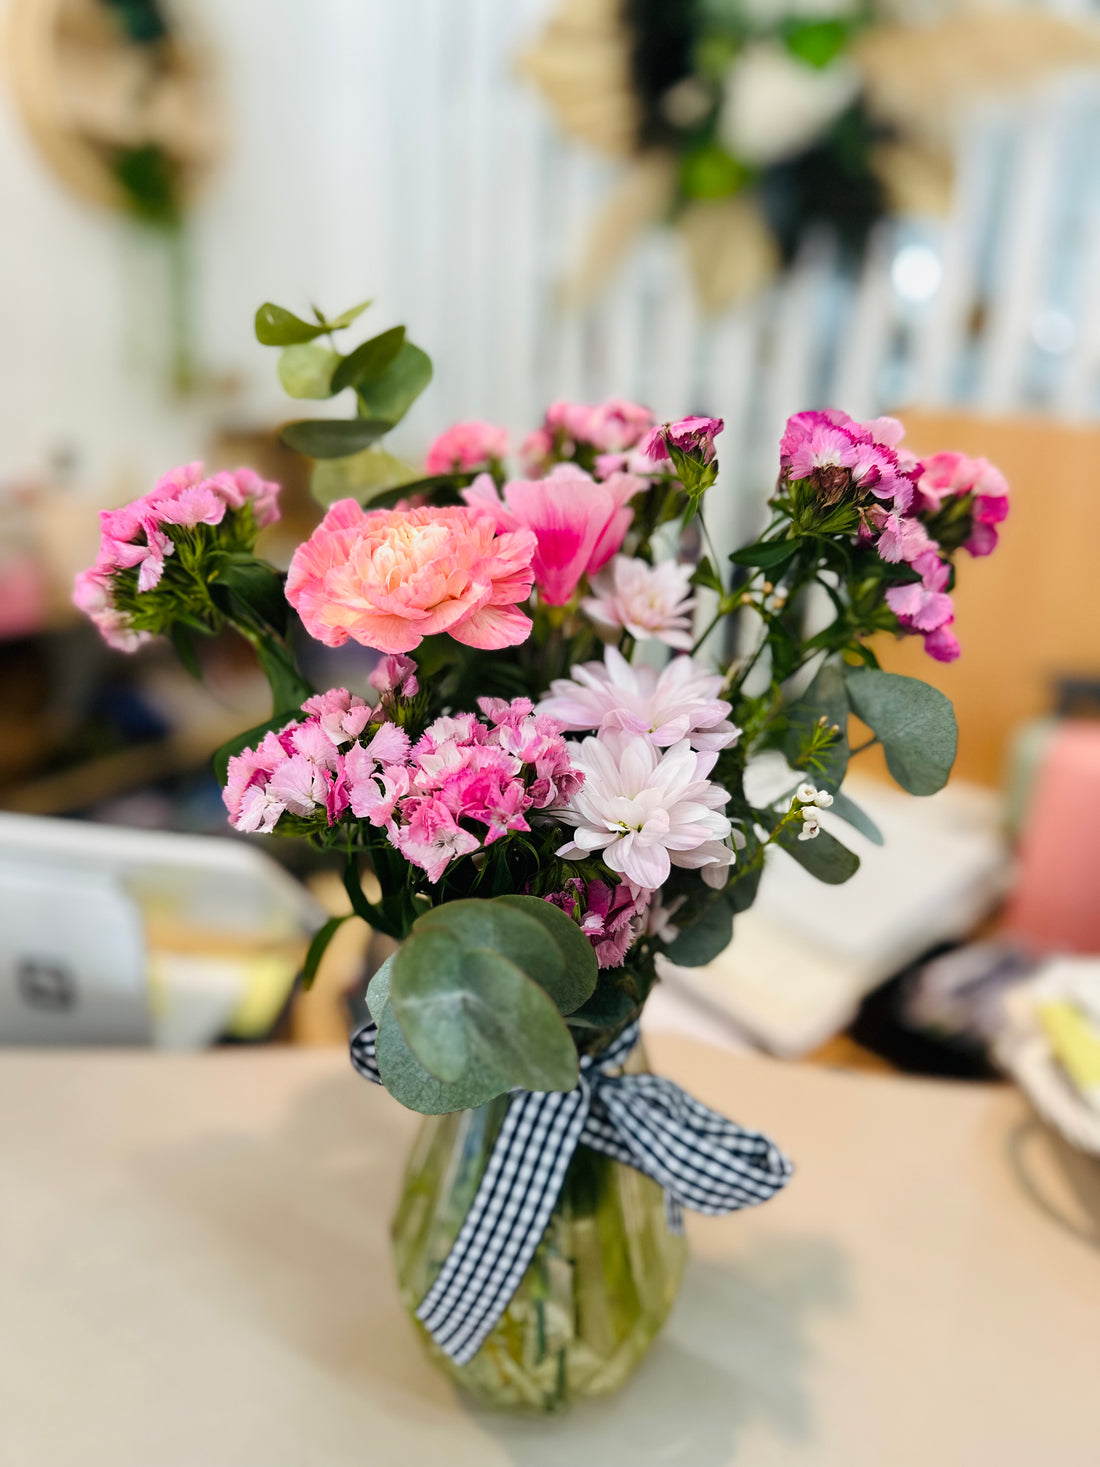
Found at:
[856, 817]
[369, 361]
[705, 938]
[278, 327]
[515, 934]
[823, 857]
[393, 394]
[345, 318]
[306, 370]
[581, 970]
[333, 437]
[360, 476]
[915, 724]
[405, 1077]
[463, 1009]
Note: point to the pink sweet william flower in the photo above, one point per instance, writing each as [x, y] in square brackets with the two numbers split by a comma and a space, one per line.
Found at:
[578, 523]
[395, 674]
[692, 436]
[342, 715]
[611, 917]
[388, 578]
[616, 425]
[950, 475]
[839, 455]
[923, 605]
[466, 446]
[900, 537]
[646, 809]
[92, 596]
[433, 839]
[648, 601]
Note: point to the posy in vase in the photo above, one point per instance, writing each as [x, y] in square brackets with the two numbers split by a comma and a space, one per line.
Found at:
[554, 788]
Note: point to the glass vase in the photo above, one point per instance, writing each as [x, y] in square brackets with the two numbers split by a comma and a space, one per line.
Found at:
[596, 1293]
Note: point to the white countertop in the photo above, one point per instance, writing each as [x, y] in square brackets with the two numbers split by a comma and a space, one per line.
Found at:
[194, 1272]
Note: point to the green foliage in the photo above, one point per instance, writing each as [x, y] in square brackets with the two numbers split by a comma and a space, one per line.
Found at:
[369, 361]
[406, 1078]
[319, 946]
[333, 437]
[915, 724]
[808, 741]
[710, 172]
[706, 937]
[363, 476]
[305, 370]
[823, 857]
[856, 817]
[766, 554]
[392, 394]
[278, 327]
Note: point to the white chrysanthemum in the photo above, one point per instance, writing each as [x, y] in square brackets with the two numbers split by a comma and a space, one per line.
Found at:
[679, 702]
[649, 601]
[646, 810]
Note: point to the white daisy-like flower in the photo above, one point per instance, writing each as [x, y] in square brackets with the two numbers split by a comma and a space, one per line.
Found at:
[679, 702]
[646, 810]
[648, 601]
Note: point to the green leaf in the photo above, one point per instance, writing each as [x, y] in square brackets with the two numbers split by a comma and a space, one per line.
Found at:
[705, 575]
[369, 361]
[333, 437]
[741, 891]
[490, 924]
[276, 327]
[319, 946]
[766, 554]
[406, 1078]
[306, 370]
[826, 695]
[289, 690]
[257, 588]
[610, 1007]
[823, 857]
[469, 1008]
[360, 476]
[915, 724]
[345, 318]
[705, 938]
[856, 817]
[581, 970]
[391, 396]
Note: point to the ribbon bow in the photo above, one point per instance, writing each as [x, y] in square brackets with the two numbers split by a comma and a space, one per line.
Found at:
[702, 1160]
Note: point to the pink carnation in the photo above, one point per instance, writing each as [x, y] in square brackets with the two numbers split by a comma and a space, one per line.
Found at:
[388, 578]
[692, 436]
[466, 446]
[433, 839]
[577, 522]
[395, 674]
[611, 917]
[342, 715]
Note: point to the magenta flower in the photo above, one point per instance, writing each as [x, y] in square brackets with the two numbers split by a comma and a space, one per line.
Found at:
[578, 523]
[954, 475]
[692, 436]
[433, 839]
[395, 674]
[841, 456]
[466, 446]
[342, 715]
[611, 917]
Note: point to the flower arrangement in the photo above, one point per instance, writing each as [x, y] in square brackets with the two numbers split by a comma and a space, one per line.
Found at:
[549, 779]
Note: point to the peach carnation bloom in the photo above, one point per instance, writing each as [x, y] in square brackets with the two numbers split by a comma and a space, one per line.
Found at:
[390, 577]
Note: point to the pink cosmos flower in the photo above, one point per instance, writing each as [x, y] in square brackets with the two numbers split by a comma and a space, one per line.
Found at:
[389, 578]
[466, 446]
[646, 809]
[578, 523]
[692, 436]
[679, 702]
[648, 601]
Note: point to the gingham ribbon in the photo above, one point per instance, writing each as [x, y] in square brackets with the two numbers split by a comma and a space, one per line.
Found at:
[702, 1160]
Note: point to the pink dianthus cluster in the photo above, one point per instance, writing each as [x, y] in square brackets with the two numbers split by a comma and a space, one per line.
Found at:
[487, 771]
[611, 428]
[140, 535]
[611, 917]
[466, 446]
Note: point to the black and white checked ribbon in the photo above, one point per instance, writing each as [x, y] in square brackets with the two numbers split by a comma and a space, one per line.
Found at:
[701, 1160]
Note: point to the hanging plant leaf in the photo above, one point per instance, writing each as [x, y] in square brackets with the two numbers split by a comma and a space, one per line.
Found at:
[306, 370]
[391, 395]
[278, 327]
[363, 476]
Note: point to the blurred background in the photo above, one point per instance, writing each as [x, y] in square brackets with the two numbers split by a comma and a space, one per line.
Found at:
[888, 208]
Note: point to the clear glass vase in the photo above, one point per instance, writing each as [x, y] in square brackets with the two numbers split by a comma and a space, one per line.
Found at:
[596, 1293]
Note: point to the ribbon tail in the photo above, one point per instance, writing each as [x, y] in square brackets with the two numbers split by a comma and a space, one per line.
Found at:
[508, 1217]
[364, 1055]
